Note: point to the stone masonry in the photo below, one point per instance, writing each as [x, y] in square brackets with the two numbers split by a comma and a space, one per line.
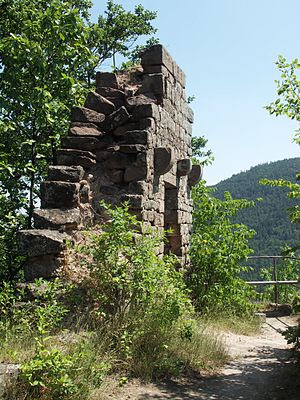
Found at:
[130, 142]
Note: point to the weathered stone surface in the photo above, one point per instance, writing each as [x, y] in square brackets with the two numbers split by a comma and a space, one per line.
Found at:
[99, 103]
[135, 201]
[76, 157]
[102, 155]
[138, 187]
[170, 180]
[128, 148]
[171, 199]
[122, 130]
[184, 167]
[57, 194]
[153, 83]
[38, 242]
[117, 175]
[135, 173]
[147, 124]
[144, 111]
[56, 218]
[195, 175]
[123, 159]
[164, 159]
[106, 79]
[137, 137]
[65, 173]
[189, 114]
[157, 55]
[43, 267]
[82, 114]
[118, 160]
[117, 97]
[84, 192]
[83, 129]
[171, 216]
[88, 143]
[132, 102]
[8, 377]
[115, 119]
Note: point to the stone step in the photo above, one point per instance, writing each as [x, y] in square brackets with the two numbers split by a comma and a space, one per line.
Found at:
[65, 173]
[58, 194]
[40, 242]
[53, 218]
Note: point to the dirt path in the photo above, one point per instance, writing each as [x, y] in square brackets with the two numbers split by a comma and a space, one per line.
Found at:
[262, 369]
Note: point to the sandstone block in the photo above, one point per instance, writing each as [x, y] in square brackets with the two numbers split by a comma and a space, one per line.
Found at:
[140, 99]
[117, 118]
[164, 159]
[117, 97]
[135, 200]
[39, 242]
[147, 124]
[135, 173]
[138, 187]
[99, 103]
[56, 218]
[128, 148]
[137, 137]
[195, 175]
[57, 194]
[184, 167]
[102, 155]
[65, 173]
[80, 142]
[118, 160]
[84, 130]
[117, 175]
[42, 267]
[106, 79]
[145, 111]
[189, 113]
[8, 378]
[84, 193]
[76, 157]
[157, 55]
[153, 83]
[82, 114]
[122, 130]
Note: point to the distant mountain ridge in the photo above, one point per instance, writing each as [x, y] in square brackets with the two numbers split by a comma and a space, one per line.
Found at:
[269, 218]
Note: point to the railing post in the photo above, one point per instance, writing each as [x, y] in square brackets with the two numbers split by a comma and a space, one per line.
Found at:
[276, 291]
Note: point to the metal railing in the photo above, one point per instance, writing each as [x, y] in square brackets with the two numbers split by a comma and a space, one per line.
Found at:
[275, 280]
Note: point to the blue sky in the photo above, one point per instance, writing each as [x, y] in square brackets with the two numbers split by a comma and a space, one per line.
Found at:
[228, 48]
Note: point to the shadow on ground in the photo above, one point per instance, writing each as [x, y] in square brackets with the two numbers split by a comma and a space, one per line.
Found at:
[266, 373]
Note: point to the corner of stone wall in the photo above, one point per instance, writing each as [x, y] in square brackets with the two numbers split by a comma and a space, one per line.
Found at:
[131, 141]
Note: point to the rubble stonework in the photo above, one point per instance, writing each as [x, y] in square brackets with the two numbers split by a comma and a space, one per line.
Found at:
[130, 142]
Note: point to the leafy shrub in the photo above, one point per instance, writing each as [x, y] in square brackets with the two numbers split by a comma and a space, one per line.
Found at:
[139, 294]
[218, 249]
[41, 314]
[48, 374]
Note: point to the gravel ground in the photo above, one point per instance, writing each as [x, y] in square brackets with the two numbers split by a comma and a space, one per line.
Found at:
[262, 368]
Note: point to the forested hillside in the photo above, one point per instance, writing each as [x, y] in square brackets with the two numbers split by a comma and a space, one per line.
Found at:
[269, 218]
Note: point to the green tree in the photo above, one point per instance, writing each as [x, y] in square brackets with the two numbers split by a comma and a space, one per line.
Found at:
[218, 249]
[49, 51]
[288, 104]
[288, 91]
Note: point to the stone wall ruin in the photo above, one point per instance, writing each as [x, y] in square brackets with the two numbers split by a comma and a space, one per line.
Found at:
[130, 142]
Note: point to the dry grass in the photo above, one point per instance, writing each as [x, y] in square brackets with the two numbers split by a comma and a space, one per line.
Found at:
[248, 325]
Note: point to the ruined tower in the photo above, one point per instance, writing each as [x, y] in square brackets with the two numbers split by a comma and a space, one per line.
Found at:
[130, 142]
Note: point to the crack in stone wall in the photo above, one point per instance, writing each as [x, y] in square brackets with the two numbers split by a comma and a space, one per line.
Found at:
[130, 142]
